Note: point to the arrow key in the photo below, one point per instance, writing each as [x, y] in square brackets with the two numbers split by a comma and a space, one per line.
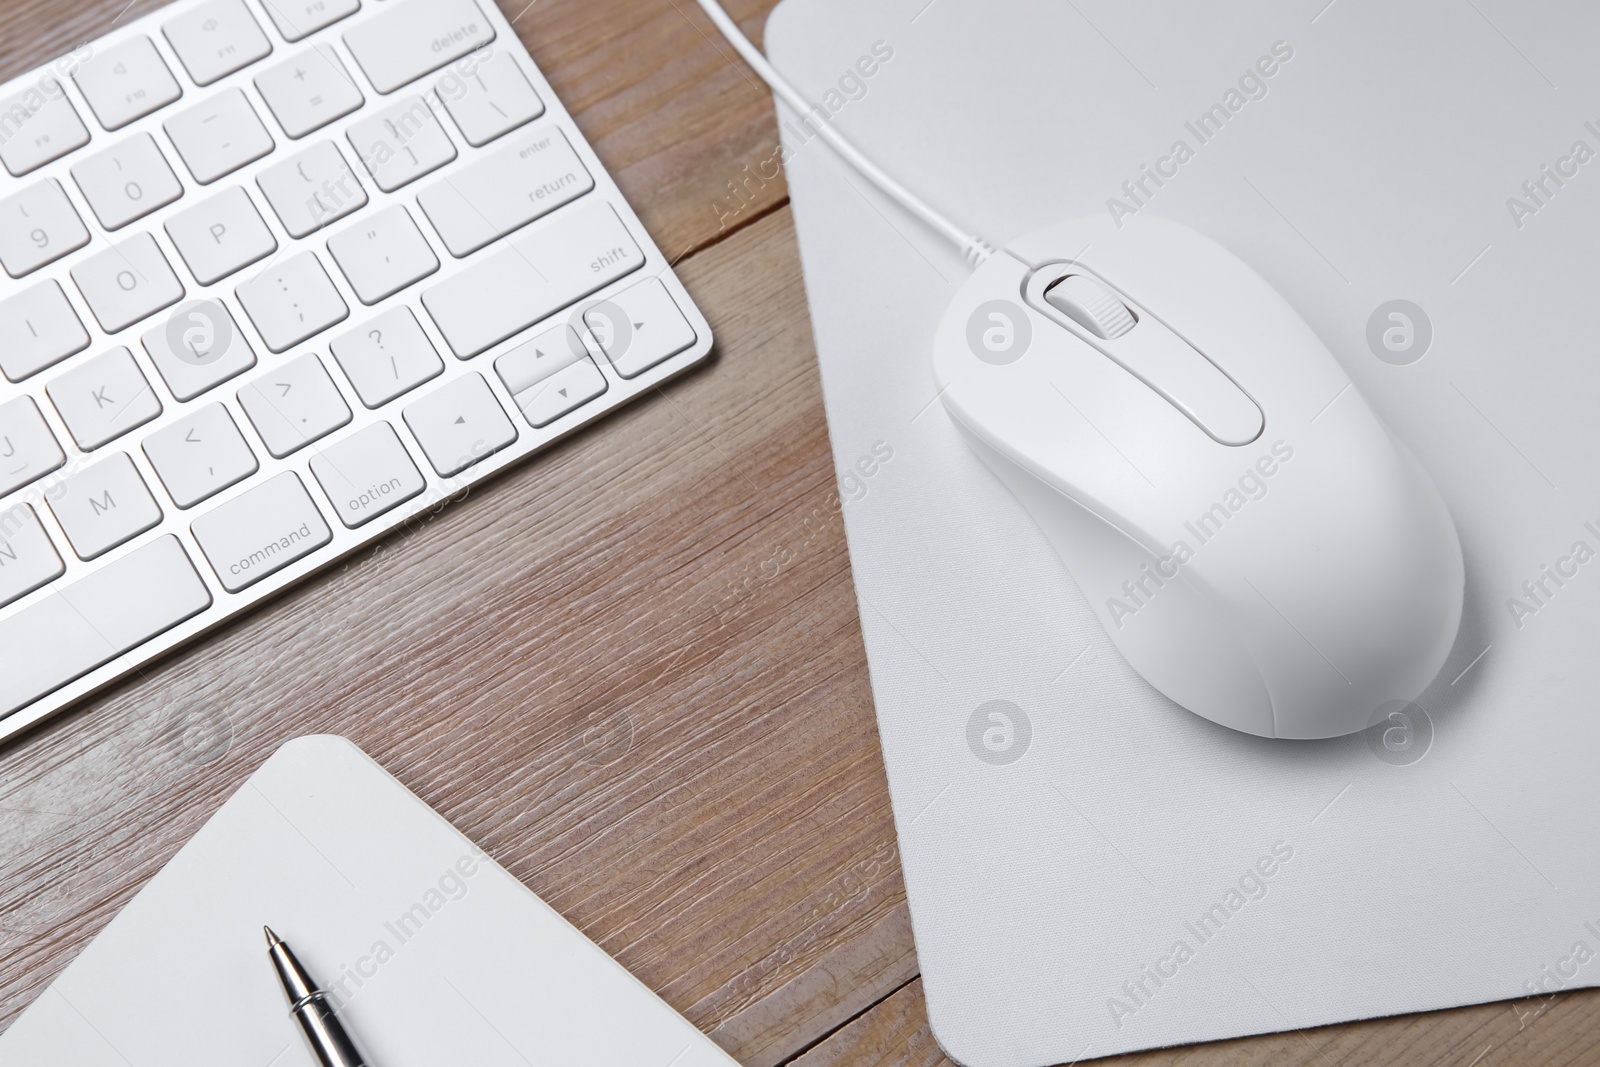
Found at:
[570, 387]
[459, 424]
[639, 327]
[200, 455]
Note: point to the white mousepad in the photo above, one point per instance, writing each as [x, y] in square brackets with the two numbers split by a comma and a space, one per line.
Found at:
[1092, 869]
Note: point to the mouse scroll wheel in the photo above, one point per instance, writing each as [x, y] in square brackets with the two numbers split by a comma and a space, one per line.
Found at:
[1091, 305]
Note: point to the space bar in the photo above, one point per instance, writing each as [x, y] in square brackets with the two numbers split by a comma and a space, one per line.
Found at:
[96, 619]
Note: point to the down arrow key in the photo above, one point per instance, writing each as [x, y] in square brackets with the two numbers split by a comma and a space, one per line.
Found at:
[566, 390]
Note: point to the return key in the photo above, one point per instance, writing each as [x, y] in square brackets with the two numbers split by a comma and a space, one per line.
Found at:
[532, 175]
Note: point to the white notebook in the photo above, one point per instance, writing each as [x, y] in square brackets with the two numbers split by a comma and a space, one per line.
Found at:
[434, 953]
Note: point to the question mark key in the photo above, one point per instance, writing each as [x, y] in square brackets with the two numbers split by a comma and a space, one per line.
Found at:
[387, 356]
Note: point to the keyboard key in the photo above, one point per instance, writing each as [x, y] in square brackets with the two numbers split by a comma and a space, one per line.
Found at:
[126, 81]
[490, 100]
[400, 144]
[416, 37]
[28, 450]
[568, 388]
[294, 405]
[308, 91]
[541, 271]
[127, 181]
[198, 347]
[127, 282]
[104, 398]
[27, 558]
[538, 358]
[639, 327]
[103, 506]
[221, 235]
[382, 255]
[292, 300]
[41, 126]
[311, 189]
[459, 424]
[218, 136]
[367, 474]
[38, 329]
[387, 357]
[39, 225]
[95, 619]
[200, 455]
[261, 531]
[215, 39]
[297, 19]
[521, 180]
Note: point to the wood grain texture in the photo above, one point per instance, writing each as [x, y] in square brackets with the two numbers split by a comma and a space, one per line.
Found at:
[631, 668]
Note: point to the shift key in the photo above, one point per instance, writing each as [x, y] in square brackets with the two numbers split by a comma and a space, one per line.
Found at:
[261, 531]
[546, 267]
[416, 37]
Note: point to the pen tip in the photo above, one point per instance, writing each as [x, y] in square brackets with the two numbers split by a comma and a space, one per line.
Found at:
[272, 938]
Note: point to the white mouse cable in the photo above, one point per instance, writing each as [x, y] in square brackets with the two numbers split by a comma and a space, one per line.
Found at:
[973, 248]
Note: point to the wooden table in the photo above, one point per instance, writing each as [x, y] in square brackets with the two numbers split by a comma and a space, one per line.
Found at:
[595, 665]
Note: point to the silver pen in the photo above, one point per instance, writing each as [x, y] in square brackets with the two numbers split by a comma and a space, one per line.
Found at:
[309, 1005]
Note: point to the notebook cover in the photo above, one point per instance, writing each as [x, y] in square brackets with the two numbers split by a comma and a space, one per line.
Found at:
[433, 952]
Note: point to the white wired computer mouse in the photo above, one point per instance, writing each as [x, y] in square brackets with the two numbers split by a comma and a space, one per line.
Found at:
[1253, 538]
[1255, 541]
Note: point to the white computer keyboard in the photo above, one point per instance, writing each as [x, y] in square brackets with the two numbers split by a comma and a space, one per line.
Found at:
[279, 275]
